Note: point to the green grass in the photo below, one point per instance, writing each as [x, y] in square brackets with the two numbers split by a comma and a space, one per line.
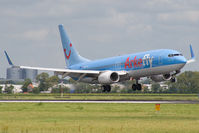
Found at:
[98, 118]
[111, 96]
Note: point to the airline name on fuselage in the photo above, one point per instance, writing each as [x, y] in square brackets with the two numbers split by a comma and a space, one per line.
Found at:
[134, 62]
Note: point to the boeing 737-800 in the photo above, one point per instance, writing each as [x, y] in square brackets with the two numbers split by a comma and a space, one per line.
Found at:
[159, 65]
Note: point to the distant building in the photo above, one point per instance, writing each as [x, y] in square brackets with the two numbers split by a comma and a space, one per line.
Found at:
[16, 89]
[15, 74]
[162, 85]
[30, 74]
[30, 87]
[70, 86]
[148, 86]
[18, 74]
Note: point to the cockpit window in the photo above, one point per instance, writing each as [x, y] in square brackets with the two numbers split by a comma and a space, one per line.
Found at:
[172, 55]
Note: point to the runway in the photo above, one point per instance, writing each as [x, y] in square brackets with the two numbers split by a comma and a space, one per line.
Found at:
[96, 101]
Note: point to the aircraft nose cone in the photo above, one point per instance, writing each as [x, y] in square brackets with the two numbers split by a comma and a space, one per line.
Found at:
[183, 60]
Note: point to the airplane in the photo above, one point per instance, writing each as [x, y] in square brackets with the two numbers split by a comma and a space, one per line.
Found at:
[159, 65]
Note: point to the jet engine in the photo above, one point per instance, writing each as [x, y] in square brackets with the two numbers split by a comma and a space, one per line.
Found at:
[160, 78]
[108, 77]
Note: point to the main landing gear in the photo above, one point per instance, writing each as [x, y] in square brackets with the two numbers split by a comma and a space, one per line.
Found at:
[106, 88]
[137, 86]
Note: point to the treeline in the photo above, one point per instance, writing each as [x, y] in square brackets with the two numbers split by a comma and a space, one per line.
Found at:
[187, 82]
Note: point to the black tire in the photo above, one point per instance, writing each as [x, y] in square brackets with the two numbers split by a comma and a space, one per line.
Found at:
[134, 87]
[139, 87]
[106, 88]
[103, 90]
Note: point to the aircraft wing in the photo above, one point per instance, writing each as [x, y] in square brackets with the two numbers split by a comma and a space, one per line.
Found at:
[69, 71]
[64, 72]
[61, 71]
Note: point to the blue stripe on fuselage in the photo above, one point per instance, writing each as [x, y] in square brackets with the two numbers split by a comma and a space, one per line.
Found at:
[142, 60]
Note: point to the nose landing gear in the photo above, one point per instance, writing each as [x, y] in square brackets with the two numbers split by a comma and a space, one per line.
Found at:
[173, 80]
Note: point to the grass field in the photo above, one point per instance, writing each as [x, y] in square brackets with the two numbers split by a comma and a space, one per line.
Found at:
[98, 118]
[99, 96]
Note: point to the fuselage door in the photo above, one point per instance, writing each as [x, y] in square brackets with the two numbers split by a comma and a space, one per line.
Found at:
[160, 60]
[118, 66]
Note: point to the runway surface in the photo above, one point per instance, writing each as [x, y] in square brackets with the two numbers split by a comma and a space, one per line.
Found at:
[96, 101]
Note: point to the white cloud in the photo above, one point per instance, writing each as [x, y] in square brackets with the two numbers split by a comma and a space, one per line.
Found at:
[179, 17]
[124, 26]
[140, 28]
[34, 35]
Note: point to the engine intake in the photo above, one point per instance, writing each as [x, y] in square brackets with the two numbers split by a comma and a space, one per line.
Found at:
[108, 77]
[160, 78]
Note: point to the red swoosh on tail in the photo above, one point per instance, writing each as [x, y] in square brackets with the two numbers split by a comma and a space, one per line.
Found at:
[67, 56]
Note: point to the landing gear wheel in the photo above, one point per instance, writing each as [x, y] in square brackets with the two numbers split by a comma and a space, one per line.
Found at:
[106, 88]
[134, 87]
[137, 87]
[173, 80]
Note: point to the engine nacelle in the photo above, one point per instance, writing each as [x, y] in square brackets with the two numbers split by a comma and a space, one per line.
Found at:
[160, 78]
[108, 77]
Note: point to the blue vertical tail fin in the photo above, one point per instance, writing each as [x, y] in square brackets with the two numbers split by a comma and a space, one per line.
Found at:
[71, 55]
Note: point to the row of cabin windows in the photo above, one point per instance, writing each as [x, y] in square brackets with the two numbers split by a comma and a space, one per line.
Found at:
[172, 55]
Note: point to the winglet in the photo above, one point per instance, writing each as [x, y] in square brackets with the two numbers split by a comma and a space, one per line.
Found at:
[8, 58]
[191, 50]
[192, 56]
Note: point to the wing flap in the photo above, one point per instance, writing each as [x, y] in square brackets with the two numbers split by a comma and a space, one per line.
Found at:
[69, 72]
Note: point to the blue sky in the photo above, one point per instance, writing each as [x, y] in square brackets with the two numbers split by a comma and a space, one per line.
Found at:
[98, 29]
